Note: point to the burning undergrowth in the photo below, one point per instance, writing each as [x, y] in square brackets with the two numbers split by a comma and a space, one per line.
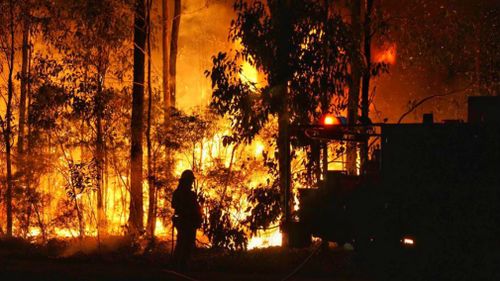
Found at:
[236, 184]
[78, 182]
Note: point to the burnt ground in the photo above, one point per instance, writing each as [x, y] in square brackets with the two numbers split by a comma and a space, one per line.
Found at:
[32, 269]
[60, 260]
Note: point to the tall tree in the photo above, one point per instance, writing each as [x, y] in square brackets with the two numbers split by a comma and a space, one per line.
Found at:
[6, 123]
[136, 212]
[28, 200]
[174, 42]
[367, 73]
[354, 87]
[91, 48]
[296, 44]
[151, 221]
[364, 26]
[24, 82]
[284, 30]
[165, 59]
[367, 53]
[168, 101]
[23, 170]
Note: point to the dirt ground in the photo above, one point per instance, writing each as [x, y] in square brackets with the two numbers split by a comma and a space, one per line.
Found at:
[63, 261]
[52, 270]
[19, 261]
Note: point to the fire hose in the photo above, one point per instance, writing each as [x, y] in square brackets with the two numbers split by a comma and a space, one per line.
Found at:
[301, 265]
[175, 273]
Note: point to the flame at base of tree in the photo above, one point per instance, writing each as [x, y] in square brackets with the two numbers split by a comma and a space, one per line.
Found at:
[225, 171]
[266, 238]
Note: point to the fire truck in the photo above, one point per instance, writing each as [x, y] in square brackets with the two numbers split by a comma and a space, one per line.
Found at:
[431, 187]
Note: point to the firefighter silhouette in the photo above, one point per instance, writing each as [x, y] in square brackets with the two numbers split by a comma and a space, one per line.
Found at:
[187, 218]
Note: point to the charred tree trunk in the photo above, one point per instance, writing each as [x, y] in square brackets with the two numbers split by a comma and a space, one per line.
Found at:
[285, 29]
[325, 160]
[151, 224]
[7, 123]
[79, 215]
[24, 90]
[29, 146]
[165, 72]
[99, 153]
[173, 51]
[7, 133]
[136, 214]
[315, 162]
[284, 164]
[354, 87]
[170, 76]
[167, 100]
[20, 163]
[365, 90]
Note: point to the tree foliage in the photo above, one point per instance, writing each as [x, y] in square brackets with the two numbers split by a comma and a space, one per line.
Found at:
[314, 66]
[264, 208]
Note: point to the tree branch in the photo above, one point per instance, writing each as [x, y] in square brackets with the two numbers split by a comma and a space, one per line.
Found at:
[422, 101]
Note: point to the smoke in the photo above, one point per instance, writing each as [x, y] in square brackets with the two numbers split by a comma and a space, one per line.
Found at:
[443, 47]
[413, 75]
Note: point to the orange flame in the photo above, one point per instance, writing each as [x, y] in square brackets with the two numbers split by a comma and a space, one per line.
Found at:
[249, 74]
[387, 55]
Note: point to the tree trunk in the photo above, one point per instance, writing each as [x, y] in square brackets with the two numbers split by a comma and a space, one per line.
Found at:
[20, 164]
[7, 126]
[165, 73]
[325, 160]
[29, 144]
[173, 51]
[284, 164]
[284, 30]
[151, 225]
[316, 166]
[365, 90]
[136, 210]
[167, 100]
[353, 99]
[79, 215]
[99, 155]
[24, 90]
